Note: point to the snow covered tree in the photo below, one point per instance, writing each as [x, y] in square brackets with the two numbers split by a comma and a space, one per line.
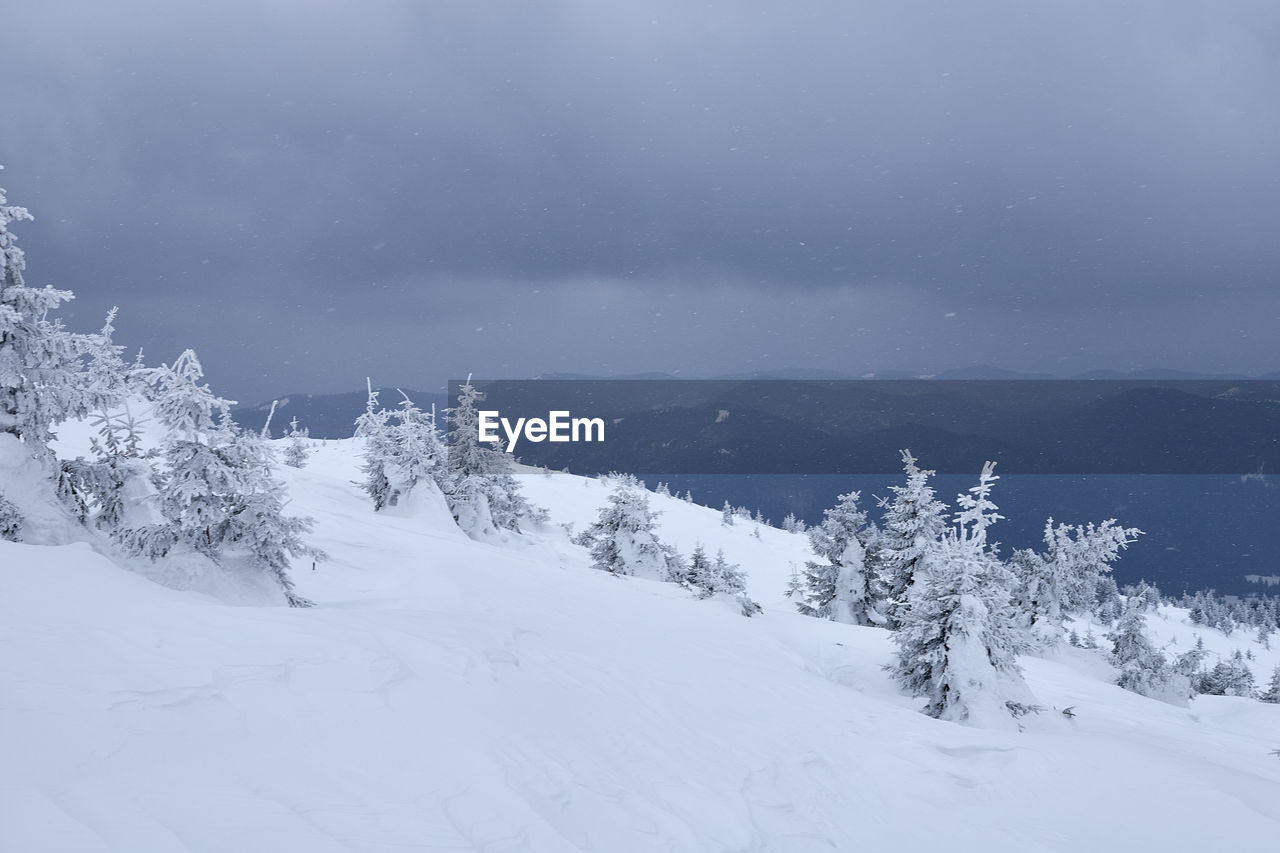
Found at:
[1063, 579]
[1149, 592]
[696, 570]
[1272, 694]
[725, 578]
[297, 452]
[1241, 681]
[111, 490]
[791, 524]
[482, 494]
[726, 514]
[10, 520]
[913, 523]
[402, 450]
[708, 578]
[623, 539]
[1107, 605]
[374, 428]
[716, 576]
[1231, 677]
[44, 369]
[216, 495]
[957, 644]
[116, 483]
[1143, 668]
[1190, 663]
[838, 586]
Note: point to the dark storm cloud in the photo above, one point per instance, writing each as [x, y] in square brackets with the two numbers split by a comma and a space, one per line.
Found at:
[307, 191]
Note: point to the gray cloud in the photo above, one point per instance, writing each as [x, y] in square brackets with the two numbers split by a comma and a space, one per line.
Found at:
[306, 192]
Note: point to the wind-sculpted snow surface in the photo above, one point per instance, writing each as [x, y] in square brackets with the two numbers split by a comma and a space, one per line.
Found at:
[451, 694]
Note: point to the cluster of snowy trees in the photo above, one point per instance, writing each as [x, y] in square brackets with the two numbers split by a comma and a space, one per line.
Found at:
[729, 514]
[1154, 672]
[406, 453]
[1259, 613]
[1160, 673]
[959, 612]
[203, 491]
[623, 541]
[664, 490]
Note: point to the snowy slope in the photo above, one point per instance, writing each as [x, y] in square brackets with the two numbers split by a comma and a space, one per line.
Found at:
[454, 695]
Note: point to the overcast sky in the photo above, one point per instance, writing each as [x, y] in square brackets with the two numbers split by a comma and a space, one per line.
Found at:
[311, 191]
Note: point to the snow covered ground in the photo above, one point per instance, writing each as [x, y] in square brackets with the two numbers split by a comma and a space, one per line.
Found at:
[455, 695]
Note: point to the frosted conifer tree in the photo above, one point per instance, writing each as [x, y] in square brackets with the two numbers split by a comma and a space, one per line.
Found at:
[1241, 680]
[107, 374]
[1107, 605]
[373, 427]
[957, 643]
[791, 524]
[1190, 663]
[114, 486]
[1231, 677]
[113, 489]
[216, 496]
[838, 586]
[623, 539]
[296, 452]
[697, 569]
[913, 523]
[727, 578]
[708, 578]
[1082, 556]
[1063, 580]
[1144, 669]
[482, 494]
[403, 450]
[10, 520]
[1272, 693]
[44, 369]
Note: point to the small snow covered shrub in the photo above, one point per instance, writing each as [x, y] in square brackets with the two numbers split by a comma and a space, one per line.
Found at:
[10, 520]
[297, 452]
[708, 578]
